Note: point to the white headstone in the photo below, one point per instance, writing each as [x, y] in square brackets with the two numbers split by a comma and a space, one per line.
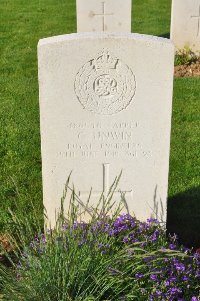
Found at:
[185, 24]
[105, 106]
[103, 15]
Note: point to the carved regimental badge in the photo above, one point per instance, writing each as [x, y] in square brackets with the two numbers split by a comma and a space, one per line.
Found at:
[105, 85]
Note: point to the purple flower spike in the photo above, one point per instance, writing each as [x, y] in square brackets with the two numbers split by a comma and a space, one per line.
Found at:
[158, 293]
[139, 275]
[180, 267]
[153, 277]
[185, 278]
[194, 299]
[125, 239]
[172, 247]
[152, 221]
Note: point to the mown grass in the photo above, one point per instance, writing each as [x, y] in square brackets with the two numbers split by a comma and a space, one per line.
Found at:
[22, 24]
[184, 180]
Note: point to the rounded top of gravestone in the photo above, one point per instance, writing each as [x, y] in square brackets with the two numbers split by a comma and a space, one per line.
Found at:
[103, 35]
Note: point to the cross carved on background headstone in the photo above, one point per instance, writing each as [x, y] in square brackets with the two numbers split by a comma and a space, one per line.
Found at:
[198, 28]
[103, 15]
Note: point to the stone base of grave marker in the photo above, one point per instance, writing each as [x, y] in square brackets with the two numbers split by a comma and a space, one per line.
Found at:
[105, 107]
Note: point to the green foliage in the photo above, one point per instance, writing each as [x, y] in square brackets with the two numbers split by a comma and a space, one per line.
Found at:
[151, 17]
[109, 258]
[185, 57]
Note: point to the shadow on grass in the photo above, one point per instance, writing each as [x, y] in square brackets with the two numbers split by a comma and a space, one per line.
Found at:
[165, 35]
[183, 217]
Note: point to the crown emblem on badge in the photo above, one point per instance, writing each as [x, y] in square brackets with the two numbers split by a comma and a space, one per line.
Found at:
[105, 61]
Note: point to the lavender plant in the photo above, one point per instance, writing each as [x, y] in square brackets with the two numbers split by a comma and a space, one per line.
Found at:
[109, 258]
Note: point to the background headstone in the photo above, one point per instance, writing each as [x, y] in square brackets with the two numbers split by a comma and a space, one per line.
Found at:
[103, 15]
[105, 106]
[185, 24]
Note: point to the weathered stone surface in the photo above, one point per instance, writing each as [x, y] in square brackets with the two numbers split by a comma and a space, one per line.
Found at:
[185, 24]
[105, 106]
[106, 16]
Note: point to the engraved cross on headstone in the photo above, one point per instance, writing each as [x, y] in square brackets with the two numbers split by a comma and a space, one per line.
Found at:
[103, 15]
[106, 186]
[198, 28]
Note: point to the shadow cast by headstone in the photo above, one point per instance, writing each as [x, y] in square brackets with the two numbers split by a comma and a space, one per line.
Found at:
[183, 217]
[165, 35]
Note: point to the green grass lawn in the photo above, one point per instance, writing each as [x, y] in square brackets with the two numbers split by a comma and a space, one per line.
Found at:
[22, 24]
